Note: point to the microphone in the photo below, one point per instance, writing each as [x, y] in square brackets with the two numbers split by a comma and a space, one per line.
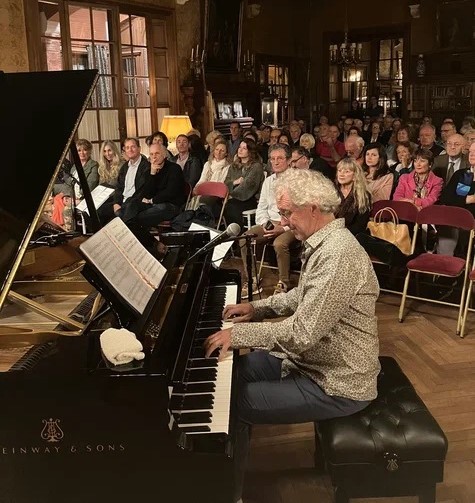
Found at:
[232, 230]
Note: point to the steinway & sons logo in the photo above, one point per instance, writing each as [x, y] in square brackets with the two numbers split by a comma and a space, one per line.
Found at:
[52, 434]
[51, 431]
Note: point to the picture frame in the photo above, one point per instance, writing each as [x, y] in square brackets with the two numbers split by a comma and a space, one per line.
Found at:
[222, 35]
[269, 111]
[455, 24]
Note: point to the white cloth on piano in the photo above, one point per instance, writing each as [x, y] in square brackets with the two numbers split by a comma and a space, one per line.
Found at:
[120, 346]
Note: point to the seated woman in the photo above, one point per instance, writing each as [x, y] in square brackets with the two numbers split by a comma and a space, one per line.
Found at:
[404, 161]
[215, 170]
[244, 181]
[421, 187]
[355, 199]
[379, 177]
[211, 137]
[90, 167]
[109, 164]
[307, 141]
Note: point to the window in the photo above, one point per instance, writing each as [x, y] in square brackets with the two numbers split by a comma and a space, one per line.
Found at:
[131, 53]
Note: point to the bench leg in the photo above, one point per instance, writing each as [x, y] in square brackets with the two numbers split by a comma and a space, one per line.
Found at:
[428, 496]
[319, 459]
[341, 496]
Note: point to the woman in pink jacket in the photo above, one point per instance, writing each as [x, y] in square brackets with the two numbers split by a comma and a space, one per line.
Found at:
[420, 187]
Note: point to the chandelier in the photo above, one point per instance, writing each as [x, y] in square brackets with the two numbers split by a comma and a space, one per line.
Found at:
[347, 53]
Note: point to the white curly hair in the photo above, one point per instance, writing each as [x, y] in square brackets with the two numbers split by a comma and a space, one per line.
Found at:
[306, 187]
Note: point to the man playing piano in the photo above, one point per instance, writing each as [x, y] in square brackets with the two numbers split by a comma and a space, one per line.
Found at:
[322, 360]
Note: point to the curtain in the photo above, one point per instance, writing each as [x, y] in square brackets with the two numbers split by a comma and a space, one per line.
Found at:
[98, 57]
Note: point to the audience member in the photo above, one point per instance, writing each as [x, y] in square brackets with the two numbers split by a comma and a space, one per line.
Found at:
[285, 138]
[375, 133]
[355, 111]
[307, 141]
[89, 166]
[355, 204]
[197, 149]
[328, 147]
[190, 165]
[354, 146]
[235, 138]
[446, 165]
[268, 226]
[301, 159]
[374, 110]
[161, 139]
[427, 139]
[244, 180]
[460, 191]
[379, 177]
[164, 190]
[131, 181]
[420, 187]
[295, 133]
[211, 137]
[404, 162]
[109, 164]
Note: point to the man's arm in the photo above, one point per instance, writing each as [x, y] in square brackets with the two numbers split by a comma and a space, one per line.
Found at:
[329, 289]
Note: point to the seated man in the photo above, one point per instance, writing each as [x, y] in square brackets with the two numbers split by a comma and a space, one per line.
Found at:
[301, 159]
[130, 185]
[322, 360]
[268, 222]
[164, 192]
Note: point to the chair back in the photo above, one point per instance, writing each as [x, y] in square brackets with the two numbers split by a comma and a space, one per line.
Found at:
[405, 210]
[452, 216]
[214, 189]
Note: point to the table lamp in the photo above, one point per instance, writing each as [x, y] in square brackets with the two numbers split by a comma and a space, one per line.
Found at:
[174, 125]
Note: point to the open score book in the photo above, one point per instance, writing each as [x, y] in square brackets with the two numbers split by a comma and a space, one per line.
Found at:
[123, 261]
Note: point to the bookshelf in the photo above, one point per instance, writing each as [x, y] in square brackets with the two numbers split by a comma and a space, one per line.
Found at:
[439, 100]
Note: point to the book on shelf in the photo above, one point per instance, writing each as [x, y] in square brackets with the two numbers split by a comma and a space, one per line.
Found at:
[123, 263]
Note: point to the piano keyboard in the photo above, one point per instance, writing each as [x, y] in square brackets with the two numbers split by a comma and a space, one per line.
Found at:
[201, 404]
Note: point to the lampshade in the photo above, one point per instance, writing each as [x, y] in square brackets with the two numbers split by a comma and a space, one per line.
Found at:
[173, 125]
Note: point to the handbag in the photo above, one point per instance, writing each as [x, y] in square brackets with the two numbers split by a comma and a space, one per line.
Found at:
[391, 231]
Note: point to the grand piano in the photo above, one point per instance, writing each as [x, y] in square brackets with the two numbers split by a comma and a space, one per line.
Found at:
[75, 429]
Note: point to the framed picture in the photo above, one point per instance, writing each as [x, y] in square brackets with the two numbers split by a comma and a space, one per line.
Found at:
[269, 111]
[455, 24]
[222, 33]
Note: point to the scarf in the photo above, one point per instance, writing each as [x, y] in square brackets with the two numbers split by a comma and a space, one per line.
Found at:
[214, 167]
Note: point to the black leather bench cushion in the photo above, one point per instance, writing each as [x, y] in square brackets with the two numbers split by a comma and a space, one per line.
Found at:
[397, 421]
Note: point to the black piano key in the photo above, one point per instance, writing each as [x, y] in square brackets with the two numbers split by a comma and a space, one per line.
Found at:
[203, 363]
[193, 417]
[194, 375]
[202, 387]
[191, 402]
[198, 352]
[195, 429]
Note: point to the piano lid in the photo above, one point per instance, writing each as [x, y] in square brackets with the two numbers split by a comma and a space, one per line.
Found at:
[41, 112]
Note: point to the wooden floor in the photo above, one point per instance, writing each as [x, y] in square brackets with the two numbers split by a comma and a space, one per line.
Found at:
[439, 364]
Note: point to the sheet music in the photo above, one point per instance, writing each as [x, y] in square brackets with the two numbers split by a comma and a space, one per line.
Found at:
[123, 261]
[219, 251]
[99, 196]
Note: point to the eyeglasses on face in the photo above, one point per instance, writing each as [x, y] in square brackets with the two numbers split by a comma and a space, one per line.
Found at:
[295, 161]
[285, 214]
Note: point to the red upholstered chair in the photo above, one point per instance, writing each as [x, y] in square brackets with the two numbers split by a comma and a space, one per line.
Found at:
[442, 265]
[214, 189]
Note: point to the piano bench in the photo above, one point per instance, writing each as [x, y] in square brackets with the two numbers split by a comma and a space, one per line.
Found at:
[394, 447]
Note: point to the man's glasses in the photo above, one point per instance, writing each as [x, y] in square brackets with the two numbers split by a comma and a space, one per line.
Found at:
[295, 161]
[285, 214]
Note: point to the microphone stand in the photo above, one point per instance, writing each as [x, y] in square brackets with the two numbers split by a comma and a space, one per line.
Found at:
[249, 265]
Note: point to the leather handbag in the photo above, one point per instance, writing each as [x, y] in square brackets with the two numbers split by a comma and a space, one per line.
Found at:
[391, 231]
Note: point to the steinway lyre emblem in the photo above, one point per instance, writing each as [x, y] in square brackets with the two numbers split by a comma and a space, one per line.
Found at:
[51, 431]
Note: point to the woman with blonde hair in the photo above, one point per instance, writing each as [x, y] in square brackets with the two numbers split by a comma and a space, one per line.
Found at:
[210, 140]
[355, 199]
[109, 164]
[307, 141]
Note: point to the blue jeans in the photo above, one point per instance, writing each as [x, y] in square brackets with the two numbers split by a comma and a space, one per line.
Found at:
[157, 213]
[266, 398]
